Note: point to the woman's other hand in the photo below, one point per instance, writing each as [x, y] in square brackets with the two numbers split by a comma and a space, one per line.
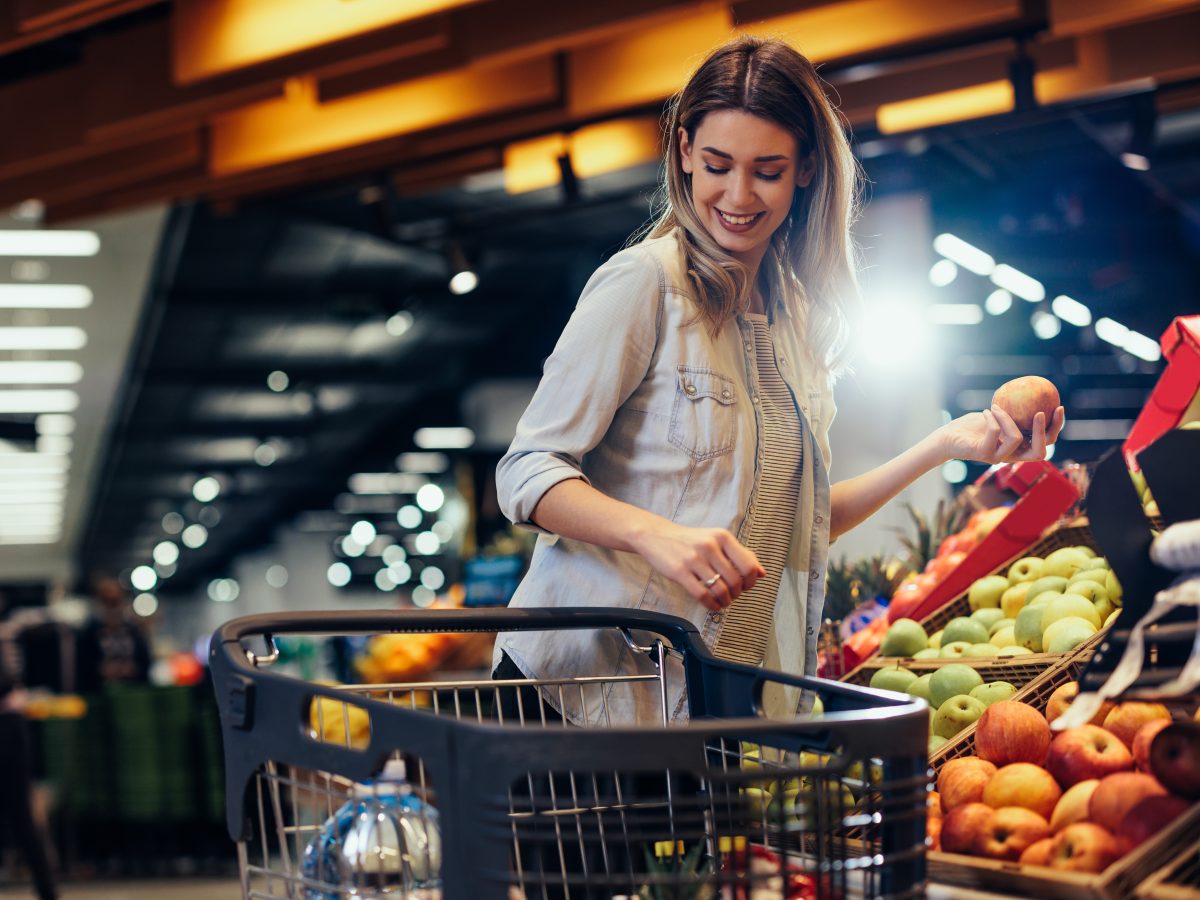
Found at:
[692, 557]
[992, 436]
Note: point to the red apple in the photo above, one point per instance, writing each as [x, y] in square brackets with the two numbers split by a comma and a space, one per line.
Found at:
[1023, 784]
[1023, 398]
[1010, 832]
[1073, 807]
[1141, 742]
[1079, 754]
[1083, 847]
[1037, 854]
[962, 825]
[1063, 696]
[1148, 817]
[1116, 794]
[962, 781]
[1010, 732]
[1175, 758]
[1126, 719]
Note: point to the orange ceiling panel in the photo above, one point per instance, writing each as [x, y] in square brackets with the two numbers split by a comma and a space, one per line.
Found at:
[595, 150]
[1080, 16]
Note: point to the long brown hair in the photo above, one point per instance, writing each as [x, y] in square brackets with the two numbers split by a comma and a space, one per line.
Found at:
[810, 263]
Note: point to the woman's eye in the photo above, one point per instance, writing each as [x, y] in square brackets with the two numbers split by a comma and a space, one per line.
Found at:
[772, 177]
[713, 170]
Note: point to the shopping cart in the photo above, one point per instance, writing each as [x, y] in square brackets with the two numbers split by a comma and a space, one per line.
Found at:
[503, 801]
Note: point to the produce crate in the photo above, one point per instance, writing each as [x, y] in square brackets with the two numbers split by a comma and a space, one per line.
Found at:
[1177, 880]
[1018, 670]
[1175, 395]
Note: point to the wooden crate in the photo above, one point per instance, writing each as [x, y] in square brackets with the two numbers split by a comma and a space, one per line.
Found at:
[1017, 670]
[1177, 880]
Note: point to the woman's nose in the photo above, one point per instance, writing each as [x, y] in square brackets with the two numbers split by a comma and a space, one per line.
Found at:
[739, 191]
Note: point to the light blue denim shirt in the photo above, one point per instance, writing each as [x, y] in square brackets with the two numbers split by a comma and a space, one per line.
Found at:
[641, 401]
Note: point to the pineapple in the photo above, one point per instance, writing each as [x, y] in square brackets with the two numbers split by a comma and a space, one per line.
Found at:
[922, 544]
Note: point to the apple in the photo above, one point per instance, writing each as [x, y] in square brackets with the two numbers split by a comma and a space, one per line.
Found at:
[1012, 732]
[1066, 561]
[1046, 583]
[963, 824]
[1037, 853]
[1083, 847]
[1147, 818]
[954, 650]
[962, 781]
[1023, 784]
[892, 678]
[986, 520]
[928, 653]
[1064, 695]
[951, 680]
[985, 592]
[1013, 600]
[963, 628]
[1095, 592]
[1175, 758]
[935, 639]
[956, 714]
[1067, 634]
[987, 617]
[1004, 638]
[1141, 743]
[1032, 599]
[982, 650]
[993, 692]
[1069, 606]
[1094, 575]
[904, 638]
[1113, 585]
[920, 687]
[1073, 805]
[1126, 719]
[1000, 626]
[1027, 568]
[1023, 398]
[1097, 562]
[1028, 628]
[1015, 650]
[1086, 752]
[935, 742]
[1010, 832]
[1118, 793]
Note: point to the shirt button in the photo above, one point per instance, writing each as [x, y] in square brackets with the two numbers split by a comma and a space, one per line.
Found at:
[690, 388]
[749, 346]
[755, 398]
[726, 394]
[714, 617]
[820, 519]
[812, 576]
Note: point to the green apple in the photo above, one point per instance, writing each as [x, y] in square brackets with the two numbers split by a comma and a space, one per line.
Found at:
[1067, 634]
[928, 653]
[954, 650]
[892, 678]
[1027, 568]
[1013, 600]
[1046, 583]
[1084, 576]
[1114, 587]
[950, 680]
[992, 691]
[956, 714]
[1014, 650]
[1043, 598]
[1087, 551]
[1097, 593]
[988, 616]
[1096, 562]
[1005, 637]
[1027, 631]
[1069, 606]
[904, 638]
[1066, 561]
[985, 592]
[966, 629]
[1000, 626]
[920, 688]
[936, 741]
[983, 650]
[935, 639]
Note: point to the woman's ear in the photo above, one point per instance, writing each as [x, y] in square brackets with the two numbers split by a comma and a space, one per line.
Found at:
[806, 171]
[685, 150]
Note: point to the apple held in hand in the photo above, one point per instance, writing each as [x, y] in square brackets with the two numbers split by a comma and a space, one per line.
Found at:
[1117, 794]
[963, 825]
[1175, 758]
[1127, 719]
[962, 781]
[1023, 784]
[1010, 832]
[1083, 847]
[1012, 732]
[1023, 398]
[1086, 752]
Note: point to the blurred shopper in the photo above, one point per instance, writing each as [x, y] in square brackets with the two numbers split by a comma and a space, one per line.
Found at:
[112, 646]
[675, 456]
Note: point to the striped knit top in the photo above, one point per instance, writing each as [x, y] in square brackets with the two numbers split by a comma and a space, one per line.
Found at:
[746, 624]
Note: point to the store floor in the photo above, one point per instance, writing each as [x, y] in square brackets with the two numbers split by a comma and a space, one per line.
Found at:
[175, 889]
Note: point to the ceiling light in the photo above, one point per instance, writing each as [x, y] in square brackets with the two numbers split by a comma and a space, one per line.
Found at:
[35, 401]
[1017, 282]
[165, 571]
[29, 463]
[166, 553]
[427, 543]
[1135, 161]
[19, 481]
[942, 272]
[408, 516]
[1143, 347]
[464, 282]
[13, 498]
[969, 257]
[444, 438]
[54, 423]
[223, 590]
[172, 523]
[1071, 310]
[384, 483]
[444, 530]
[265, 454]
[53, 443]
[278, 381]
[363, 532]
[338, 574]
[998, 302]
[423, 463]
[1045, 325]
[194, 536]
[1111, 331]
[955, 314]
[40, 372]
[423, 596]
[399, 323]
[20, 540]
[383, 580]
[34, 242]
[399, 572]
[145, 605]
[430, 498]
[955, 471]
[143, 578]
[433, 577]
[394, 553]
[351, 547]
[206, 489]
[42, 337]
[45, 296]
[277, 576]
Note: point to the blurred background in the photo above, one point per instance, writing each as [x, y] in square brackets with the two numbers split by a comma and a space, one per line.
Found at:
[277, 280]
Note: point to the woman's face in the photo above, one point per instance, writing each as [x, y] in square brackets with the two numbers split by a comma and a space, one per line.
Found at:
[744, 174]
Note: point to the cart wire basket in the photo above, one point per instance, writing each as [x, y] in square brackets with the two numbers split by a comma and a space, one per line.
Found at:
[473, 789]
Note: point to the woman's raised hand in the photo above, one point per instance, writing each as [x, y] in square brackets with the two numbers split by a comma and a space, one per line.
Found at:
[992, 436]
[695, 557]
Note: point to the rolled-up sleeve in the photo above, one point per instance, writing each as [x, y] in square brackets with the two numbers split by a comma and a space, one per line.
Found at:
[602, 356]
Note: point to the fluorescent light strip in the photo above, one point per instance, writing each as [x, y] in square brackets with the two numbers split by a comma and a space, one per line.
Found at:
[33, 242]
[45, 296]
[1111, 331]
[969, 257]
[1071, 310]
[1142, 347]
[54, 423]
[955, 314]
[1017, 282]
[23, 540]
[26, 462]
[50, 401]
[12, 498]
[41, 372]
[42, 337]
[444, 438]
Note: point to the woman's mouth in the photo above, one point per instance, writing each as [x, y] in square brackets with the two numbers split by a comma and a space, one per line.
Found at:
[738, 224]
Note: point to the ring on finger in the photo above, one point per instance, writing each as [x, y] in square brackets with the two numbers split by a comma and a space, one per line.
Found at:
[711, 581]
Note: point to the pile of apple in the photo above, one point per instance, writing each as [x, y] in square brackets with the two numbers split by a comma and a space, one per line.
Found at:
[984, 633]
[957, 695]
[1077, 800]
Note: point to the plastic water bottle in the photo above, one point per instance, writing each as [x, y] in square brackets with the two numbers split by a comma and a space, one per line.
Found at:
[385, 841]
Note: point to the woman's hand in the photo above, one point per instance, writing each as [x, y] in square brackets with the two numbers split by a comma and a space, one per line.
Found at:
[992, 436]
[691, 557]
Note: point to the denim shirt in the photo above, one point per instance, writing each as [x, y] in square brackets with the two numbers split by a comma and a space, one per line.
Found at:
[643, 403]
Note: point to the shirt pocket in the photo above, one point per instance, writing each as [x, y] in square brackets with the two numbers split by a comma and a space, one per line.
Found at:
[704, 414]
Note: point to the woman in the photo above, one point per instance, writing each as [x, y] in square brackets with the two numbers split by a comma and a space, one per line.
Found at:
[675, 454]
